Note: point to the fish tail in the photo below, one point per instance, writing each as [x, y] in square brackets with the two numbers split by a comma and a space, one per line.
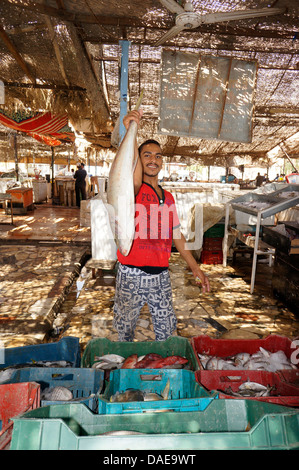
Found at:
[165, 392]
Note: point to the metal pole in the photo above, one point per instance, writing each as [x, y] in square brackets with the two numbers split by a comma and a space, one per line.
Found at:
[256, 245]
[225, 238]
[52, 165]
[124, 76]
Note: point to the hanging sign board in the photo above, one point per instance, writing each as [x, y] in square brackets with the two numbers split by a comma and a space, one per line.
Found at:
[207, 97]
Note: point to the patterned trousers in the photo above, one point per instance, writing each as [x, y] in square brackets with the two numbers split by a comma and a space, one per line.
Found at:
[133, 289]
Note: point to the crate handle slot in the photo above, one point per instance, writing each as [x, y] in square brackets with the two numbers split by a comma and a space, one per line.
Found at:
[162, 410]
[151, 377]
[63, 376]
[230, 378]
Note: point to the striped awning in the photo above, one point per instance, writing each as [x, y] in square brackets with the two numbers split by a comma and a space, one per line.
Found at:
[46, 127]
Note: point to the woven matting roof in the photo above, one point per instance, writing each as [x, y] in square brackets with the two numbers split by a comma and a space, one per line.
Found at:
[64, 55]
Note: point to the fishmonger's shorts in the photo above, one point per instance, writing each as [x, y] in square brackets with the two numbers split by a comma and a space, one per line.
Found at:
[133, 289]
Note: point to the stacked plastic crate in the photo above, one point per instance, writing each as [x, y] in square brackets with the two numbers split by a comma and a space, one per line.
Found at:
[212, 245]
[25, 374]
[196, 413]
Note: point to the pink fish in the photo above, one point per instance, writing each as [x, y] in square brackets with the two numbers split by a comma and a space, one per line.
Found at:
[130, 362]
[167, 361]
[148, 358]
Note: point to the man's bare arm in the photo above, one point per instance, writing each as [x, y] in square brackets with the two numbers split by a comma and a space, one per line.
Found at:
[180, 244]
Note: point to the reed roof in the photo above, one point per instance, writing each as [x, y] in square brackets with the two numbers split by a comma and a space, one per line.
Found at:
[64, 56]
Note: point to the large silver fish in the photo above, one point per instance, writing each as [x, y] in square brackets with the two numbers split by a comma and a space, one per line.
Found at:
[120, 191]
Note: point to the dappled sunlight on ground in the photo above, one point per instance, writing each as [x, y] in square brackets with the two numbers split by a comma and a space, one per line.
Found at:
[43, 299]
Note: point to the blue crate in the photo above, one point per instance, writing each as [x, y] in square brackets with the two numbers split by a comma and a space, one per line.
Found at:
[67, 349]
[85, 384]
[185, 393]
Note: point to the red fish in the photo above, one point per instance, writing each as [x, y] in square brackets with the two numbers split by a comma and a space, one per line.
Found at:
[147, 359]
[167, 361]
[130, 362]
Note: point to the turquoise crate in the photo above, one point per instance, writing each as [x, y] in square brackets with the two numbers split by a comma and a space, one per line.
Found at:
[85, 384]
[223, 425]
[172, 346]
[67, 349]
[185, 393]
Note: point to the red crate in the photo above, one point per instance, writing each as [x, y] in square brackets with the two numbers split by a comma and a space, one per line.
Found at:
[214, 244]
[229, 347]
[290, 376]
[16, 399]
[283, 393]
[211, 257]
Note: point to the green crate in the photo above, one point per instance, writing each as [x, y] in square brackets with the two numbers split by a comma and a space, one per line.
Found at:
[185, 393]
[173, 346]
[216, 231]
[225, 424]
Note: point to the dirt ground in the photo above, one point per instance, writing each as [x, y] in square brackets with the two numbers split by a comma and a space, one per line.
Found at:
[47, 292]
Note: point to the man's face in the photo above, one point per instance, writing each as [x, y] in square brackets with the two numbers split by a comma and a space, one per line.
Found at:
[151, 159]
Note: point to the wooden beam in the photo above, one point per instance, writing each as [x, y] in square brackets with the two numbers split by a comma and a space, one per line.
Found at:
[197, 48]
[56, 49]
[10, 46]
[158, 62]
[42, 86]
[93, 87]
[25, 29]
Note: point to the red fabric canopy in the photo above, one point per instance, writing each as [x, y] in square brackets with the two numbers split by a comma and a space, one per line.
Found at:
[44, 127]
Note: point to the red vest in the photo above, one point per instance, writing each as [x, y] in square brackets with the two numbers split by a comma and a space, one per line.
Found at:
[154, 220]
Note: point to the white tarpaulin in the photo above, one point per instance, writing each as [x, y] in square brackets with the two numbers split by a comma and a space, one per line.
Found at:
[207, 97]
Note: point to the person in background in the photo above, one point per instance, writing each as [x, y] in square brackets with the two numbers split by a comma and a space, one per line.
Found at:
[80, 184]
[143, 276]
[259, 180]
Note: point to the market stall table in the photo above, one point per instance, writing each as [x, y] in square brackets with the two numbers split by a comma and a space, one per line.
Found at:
[22, 198]
[262, 206]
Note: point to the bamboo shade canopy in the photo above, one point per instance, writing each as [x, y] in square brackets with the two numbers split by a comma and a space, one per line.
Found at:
[63, 56]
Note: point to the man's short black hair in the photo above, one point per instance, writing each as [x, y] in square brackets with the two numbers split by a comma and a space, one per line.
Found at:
[149, 141]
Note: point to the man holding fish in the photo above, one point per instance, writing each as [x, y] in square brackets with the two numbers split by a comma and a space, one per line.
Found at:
[142, 275]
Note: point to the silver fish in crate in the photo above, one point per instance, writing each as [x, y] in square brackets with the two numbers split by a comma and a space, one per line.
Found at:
[58, 393]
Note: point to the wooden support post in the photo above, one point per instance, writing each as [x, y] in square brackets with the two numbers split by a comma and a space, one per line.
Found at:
[16, 155]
